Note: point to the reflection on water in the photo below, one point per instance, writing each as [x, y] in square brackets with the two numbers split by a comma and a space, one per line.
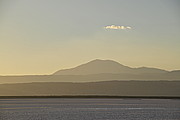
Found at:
[89, 109]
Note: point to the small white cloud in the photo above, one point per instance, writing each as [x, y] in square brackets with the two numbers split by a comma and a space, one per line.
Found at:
[128, 27]
[117, 27]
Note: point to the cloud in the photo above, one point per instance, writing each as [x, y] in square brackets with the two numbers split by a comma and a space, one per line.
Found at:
[117, 27]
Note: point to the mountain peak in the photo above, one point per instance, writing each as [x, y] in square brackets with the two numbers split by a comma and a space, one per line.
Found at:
[99, 66]
[96, 66]
[100, 61]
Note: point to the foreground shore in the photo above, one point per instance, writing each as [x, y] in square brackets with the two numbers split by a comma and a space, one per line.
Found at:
[94, 96]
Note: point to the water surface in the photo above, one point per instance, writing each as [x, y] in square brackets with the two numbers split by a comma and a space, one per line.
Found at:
[89, 109]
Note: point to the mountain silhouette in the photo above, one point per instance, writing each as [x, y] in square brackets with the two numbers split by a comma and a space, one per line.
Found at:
[106, 66]
[97, 77]
[98, 70]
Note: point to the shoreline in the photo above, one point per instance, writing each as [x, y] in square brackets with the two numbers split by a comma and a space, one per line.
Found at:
[94, 96]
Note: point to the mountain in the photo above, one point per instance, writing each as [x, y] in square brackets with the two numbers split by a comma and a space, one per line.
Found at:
[106, 66]
[98, 70]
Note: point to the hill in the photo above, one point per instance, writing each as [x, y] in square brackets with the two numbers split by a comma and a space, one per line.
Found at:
[116, 88]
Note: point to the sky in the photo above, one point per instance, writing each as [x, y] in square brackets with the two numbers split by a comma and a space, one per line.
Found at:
[43, 36]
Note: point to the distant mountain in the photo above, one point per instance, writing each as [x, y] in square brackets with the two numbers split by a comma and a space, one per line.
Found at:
[98, 70]
[106, 66]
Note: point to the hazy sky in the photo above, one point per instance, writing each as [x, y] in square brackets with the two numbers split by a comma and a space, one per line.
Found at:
[42, 36]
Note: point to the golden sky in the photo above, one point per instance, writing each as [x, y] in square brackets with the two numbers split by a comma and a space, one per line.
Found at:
[41, 37]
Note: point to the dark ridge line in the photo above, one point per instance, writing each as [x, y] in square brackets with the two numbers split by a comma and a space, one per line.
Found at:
[94, 96]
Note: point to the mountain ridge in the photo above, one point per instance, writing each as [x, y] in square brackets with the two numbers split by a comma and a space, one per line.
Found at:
[99, 66]
[89, 72]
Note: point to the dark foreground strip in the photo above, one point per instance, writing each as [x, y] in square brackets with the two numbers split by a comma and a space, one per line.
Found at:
[94, 96]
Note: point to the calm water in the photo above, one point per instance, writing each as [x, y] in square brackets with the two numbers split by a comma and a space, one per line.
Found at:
[89, 109]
